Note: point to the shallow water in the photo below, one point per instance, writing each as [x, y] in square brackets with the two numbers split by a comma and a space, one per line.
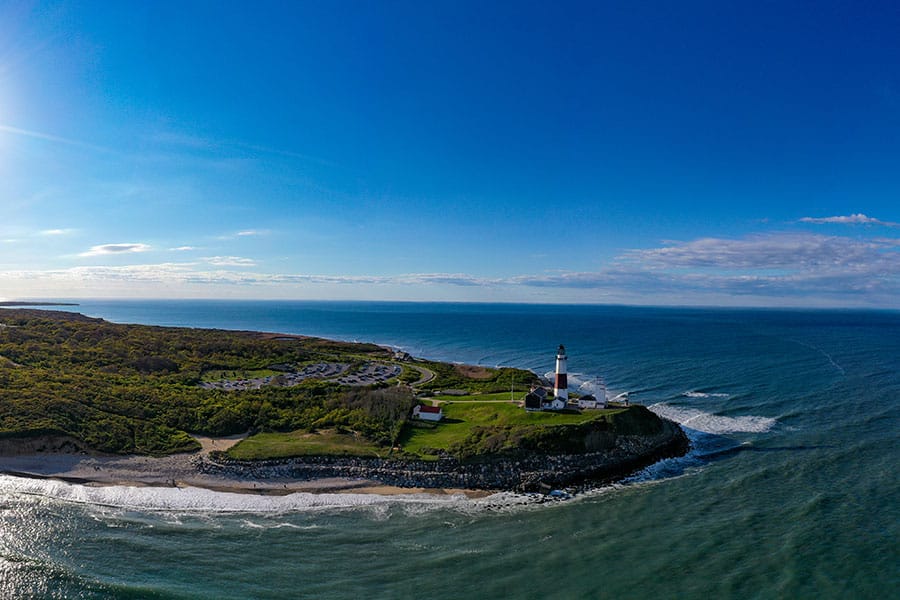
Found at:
[790, 489]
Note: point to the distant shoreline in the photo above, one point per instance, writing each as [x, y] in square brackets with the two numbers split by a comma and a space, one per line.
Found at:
[11, 304]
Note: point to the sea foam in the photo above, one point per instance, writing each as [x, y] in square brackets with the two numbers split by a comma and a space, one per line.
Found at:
[199, 500]
[709, 423]
[191, 499]
[704, 432]
[583, 383]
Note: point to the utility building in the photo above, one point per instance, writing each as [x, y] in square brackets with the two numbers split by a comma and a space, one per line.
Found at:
[427, 413]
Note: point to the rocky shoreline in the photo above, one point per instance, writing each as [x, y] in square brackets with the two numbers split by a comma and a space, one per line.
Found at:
[523, 474]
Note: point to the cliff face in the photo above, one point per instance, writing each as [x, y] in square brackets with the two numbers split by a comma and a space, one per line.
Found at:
[600, 433]
[44, 443]
[616, 456]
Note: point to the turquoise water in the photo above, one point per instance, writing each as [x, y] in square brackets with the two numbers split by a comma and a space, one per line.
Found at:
[790, 491]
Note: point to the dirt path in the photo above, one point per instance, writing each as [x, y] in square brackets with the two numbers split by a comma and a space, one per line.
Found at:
[208, 444]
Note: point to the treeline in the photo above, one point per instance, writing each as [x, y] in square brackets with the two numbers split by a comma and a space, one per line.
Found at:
[133, 388]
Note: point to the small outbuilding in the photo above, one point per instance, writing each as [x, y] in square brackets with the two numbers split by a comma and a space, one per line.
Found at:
[539, 399]
[427, 413]
[556, 403]
[590, 401]
[534, 401]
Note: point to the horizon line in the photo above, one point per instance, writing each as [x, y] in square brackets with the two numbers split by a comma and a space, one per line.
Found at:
[70, 300]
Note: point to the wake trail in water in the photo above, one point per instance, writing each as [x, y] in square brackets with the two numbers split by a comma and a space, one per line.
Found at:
[823, 353]
[696, 394]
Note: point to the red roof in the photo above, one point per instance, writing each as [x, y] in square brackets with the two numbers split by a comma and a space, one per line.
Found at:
[429, 409]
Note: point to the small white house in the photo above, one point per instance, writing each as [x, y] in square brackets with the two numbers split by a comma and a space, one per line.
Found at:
[427, 413]
[556, 404]
[590, 401]
[597, 399]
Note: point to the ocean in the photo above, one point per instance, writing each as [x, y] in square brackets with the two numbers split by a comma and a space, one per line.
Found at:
[790, 490]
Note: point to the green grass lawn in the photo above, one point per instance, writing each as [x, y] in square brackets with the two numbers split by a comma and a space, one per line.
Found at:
[462, 414]
[303, 443]
[490, 397]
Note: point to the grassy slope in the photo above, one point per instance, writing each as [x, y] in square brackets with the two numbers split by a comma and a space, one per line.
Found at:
[449, 376]
[462, 417]
[301, 443]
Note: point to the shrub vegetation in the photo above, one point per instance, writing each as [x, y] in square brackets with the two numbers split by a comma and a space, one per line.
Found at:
[136, 389]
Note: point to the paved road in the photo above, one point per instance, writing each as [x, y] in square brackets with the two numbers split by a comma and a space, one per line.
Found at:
[426, 375]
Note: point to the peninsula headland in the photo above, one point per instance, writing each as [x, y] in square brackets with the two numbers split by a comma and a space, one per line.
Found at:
[90, 401]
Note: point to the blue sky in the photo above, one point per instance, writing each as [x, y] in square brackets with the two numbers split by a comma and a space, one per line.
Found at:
[708, 153]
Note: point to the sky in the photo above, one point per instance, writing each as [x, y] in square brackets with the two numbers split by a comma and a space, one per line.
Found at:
[655, 153]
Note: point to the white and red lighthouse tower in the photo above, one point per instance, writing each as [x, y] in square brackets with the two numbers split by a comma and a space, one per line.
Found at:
[561, 384]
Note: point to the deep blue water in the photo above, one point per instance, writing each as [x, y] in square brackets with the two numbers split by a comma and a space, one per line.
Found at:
[791, 489]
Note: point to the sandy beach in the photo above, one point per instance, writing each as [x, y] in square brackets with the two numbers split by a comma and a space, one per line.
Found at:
[179, 470]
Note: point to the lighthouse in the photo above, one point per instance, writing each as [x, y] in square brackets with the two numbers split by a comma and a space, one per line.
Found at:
[561, 385]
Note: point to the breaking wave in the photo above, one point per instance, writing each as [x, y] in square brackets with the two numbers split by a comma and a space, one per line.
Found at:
[705, 447]
[582, 383]
[709, 423]
[705, 430]
[200, 500]
[706, 433]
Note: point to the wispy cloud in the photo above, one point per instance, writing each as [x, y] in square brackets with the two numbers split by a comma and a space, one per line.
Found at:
[762, 251]
[56, 232]
[182, 249]
[230, 261]
[186, 140]
[153, 273]
[125, 248]
[38, 135]
[772, 265]
[855, 219]
[194, 143]
[244, 233]
[798, 269]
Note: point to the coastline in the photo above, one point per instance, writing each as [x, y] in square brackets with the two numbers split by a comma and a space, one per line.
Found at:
[347, 475]
[76, 466]
[48, 455]
[179, 471]
[620, 457]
